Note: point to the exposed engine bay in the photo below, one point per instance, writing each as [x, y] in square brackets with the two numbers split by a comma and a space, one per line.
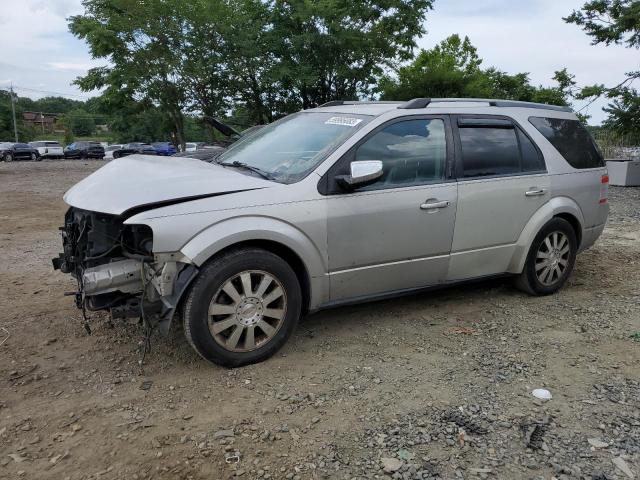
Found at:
[117, 271]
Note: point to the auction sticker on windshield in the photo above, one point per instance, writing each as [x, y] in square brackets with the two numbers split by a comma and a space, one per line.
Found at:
[346, 121]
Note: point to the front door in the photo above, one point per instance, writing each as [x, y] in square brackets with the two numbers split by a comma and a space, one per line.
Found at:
[395, 234]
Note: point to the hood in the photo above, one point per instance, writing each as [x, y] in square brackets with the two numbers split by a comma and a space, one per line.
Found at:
[143, 182]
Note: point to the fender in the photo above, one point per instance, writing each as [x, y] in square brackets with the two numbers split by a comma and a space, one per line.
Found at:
[255, 227]
[546, 212]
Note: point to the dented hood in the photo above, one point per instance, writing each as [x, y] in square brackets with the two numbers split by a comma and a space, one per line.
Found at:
[144, 181]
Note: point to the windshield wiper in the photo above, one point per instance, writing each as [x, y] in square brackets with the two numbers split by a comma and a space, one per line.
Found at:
[251, 168]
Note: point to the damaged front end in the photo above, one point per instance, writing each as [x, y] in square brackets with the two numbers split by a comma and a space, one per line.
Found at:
[117, 271]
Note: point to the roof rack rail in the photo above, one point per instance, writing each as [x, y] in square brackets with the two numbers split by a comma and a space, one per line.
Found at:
[416, 103]
[518, 103]
[333, 103]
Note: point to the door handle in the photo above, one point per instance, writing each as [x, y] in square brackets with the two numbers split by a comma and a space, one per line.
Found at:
[535, 193]
[431, 205]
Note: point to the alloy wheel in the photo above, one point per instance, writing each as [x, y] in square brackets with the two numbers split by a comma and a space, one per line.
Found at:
[247, 311]
[552, 258]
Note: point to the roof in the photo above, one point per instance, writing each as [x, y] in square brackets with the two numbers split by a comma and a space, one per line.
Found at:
[378, 108]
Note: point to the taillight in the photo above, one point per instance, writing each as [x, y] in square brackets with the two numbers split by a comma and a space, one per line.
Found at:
[604, 188]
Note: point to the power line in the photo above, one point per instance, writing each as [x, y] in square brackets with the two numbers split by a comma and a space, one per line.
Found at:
[50, 92]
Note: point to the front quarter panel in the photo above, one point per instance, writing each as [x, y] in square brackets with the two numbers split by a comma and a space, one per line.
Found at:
[299, 225]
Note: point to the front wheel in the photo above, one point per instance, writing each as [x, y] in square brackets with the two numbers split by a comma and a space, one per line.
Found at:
[34, 157]
[8, 157]
[550, 260]
[243, 307]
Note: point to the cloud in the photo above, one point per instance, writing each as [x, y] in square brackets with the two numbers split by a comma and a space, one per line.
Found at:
[74, 66]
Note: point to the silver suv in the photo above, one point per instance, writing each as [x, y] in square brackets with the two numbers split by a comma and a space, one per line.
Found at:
[345, 203]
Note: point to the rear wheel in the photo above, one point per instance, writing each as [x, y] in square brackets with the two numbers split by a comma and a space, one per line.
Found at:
[242, 308]
[550, 260]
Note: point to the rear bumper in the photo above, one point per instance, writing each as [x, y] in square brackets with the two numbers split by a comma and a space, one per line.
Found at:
[589, 236]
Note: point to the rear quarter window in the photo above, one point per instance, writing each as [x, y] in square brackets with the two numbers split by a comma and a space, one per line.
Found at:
[571, 140]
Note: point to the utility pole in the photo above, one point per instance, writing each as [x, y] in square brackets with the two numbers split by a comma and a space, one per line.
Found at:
[13, 111]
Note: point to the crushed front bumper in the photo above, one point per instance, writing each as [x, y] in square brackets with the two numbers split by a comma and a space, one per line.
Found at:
[116, 270]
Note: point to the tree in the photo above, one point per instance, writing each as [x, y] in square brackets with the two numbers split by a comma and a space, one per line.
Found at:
[25, 133]
[624, 113]
[336, 49]
[609, 21]
[613, 22]
[271, 57]
[453, 68]
[81, 123]
[143, 42]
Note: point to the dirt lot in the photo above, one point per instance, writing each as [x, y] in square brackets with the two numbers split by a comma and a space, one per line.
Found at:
[436, 385]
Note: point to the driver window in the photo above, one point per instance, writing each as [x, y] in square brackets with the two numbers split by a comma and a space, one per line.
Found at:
[413, 152]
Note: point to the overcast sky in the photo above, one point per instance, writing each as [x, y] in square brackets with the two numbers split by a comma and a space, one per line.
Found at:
[38, 53]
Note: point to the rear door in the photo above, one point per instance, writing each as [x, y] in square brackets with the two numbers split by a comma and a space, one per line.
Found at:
[502, 182]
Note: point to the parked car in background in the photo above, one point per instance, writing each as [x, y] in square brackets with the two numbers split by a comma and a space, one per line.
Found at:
[164, 148]
[134, 147]
[207, 154]
[84, 150]
[48, 148]
[18, 151]
[108, 151]
[336, 205]
[193, 146]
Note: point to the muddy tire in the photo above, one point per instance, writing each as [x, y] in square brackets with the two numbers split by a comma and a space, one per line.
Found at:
[550, 259]
[242, 307]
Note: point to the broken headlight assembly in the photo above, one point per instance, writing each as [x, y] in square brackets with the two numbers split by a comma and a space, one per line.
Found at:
[116, 269]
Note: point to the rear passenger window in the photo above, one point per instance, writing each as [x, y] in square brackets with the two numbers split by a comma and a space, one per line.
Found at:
[571, 140]
[489, 151]
[494, 147]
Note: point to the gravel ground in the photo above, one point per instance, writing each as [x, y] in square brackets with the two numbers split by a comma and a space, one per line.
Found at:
[433, 386]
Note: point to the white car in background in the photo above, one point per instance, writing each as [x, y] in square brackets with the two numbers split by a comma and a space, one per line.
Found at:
[48, 149]
[108, 151]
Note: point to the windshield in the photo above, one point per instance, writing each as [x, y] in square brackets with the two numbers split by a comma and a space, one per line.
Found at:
[289, 149]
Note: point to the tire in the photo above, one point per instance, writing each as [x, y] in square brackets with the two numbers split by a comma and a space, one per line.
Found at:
[8, 157]
[35, 158]
[242, 332]
[542, 276]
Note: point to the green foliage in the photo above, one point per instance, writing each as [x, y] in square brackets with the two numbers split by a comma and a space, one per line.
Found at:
[271, 57]
[613, 22]
[49, 104]
[624, 113]
[454, 69]
[609, 21]
[81, 122]
[25, 133]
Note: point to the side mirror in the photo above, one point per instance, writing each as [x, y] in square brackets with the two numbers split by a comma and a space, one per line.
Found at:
[363, 173]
